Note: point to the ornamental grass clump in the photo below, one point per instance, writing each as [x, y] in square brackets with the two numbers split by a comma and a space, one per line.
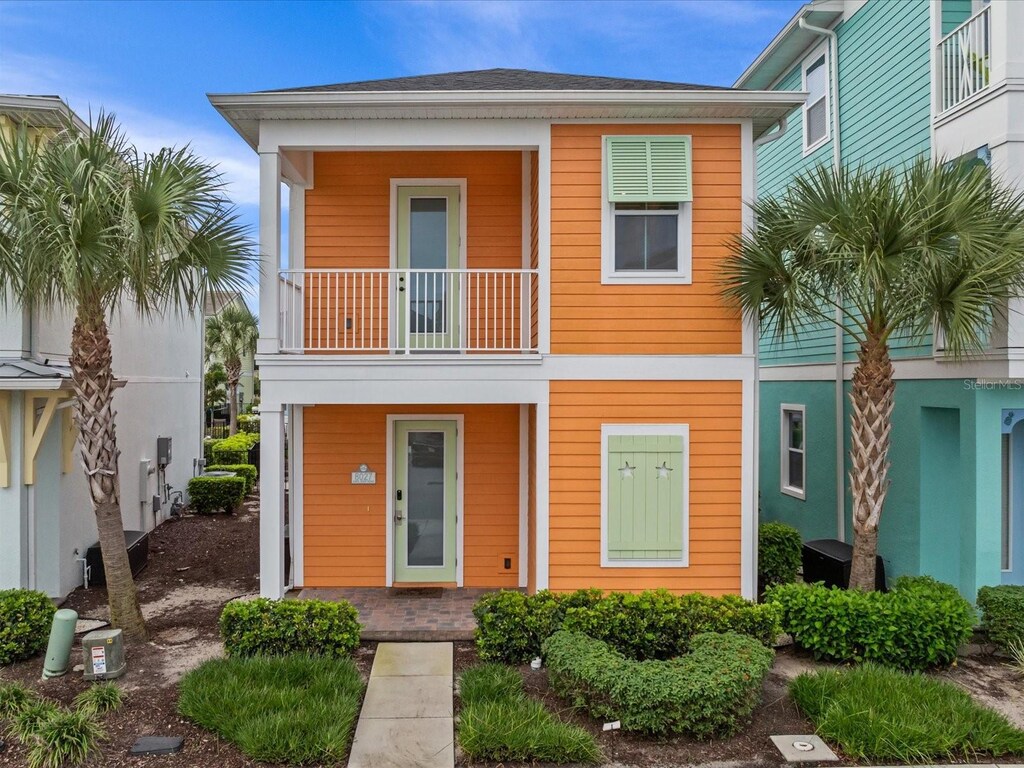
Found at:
[64, 738]
[99, 698]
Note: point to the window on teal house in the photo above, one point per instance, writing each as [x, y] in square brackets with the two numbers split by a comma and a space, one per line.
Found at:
[644, 495]
[793, 451]
[647, 217]
[816, 123]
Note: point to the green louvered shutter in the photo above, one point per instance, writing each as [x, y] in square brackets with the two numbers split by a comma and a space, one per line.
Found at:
[645, 506]
[649, 169]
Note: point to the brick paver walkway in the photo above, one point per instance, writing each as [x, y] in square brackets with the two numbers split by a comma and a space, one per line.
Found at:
[408, 614]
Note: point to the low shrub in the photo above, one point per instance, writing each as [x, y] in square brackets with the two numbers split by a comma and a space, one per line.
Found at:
[883, 714]
[64, 738]
[208, 443]
[234, 449]
[1002, 614]
[99, 698]
[293, 709]
[247, 471]
[498, 722]
[249, 423]
[263, 627]
[779, 553]
[706, 692]
[214, 494]
[919, 624]
[25, 618]
[651, 625]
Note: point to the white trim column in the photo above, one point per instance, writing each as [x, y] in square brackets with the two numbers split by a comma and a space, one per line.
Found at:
[272, 575]
[748, 491]
[524, 494]
[296, 495]
[296, 226]
[541, 461]
[270, 252]
[544, 243]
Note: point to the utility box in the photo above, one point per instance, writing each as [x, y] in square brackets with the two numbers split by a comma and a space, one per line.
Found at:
[829, 561]
[163, 451]
[103, 652]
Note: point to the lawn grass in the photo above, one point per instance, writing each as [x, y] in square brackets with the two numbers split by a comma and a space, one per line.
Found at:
[883, 714]
[499, 722]
[289, 709]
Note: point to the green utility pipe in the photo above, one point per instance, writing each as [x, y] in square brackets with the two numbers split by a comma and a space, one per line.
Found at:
[58, 650]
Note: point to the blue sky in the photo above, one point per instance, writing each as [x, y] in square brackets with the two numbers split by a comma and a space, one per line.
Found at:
[154, 62]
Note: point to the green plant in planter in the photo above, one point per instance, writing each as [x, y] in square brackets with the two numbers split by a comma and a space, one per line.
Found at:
[25, 617]
[779, 553]
[212, 494]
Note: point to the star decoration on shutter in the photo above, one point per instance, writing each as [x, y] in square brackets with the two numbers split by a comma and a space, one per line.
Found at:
[626, 471]
[663, 470]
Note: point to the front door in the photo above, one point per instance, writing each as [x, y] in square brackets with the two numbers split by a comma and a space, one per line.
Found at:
[428, 253]
[426, 500]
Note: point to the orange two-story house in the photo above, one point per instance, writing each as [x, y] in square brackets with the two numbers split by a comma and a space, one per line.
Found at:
[493, 351]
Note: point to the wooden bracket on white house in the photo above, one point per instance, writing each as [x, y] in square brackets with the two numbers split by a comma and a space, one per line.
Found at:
[36, 430]
[5, 439]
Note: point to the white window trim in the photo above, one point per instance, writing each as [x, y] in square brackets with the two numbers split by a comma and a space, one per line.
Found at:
[682, 275]
[817, 53]
[675, 430]
[787, 408]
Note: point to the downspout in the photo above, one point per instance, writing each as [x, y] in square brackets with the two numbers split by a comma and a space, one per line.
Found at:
[833, 44]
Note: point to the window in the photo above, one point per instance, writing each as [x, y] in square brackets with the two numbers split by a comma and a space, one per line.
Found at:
[647, 216]
[794, 467]
[816, 109]
[644, 495]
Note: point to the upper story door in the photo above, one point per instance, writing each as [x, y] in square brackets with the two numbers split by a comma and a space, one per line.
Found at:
[428, 302]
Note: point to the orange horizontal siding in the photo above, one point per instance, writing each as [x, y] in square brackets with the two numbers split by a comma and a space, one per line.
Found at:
[344, 524]
[713, 411]
[590, 318]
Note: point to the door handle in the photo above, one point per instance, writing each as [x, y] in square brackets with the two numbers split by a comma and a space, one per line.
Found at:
[399, 517]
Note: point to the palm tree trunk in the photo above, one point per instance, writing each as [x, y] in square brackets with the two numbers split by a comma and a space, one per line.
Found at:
[872, 395]
[93, 378]
[234, 371]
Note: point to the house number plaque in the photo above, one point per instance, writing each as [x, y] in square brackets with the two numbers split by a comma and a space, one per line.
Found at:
[363, 476]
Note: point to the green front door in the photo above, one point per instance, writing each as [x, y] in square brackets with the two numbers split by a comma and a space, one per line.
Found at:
[428, 247]
[426, 500]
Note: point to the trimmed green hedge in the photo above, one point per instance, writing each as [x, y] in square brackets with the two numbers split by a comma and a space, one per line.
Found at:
[263, 627]
[249, 423]
[705, 693]
[208, 443]
[1002, 614]
[247, 471]
[234, 449]
[779, 553]
[919, 624]
[655, 624]
[211, 494]
[25, 618]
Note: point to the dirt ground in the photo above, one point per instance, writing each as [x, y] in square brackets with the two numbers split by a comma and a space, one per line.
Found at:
[199, 563]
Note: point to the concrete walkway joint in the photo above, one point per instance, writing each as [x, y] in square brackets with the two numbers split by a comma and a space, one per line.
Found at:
[407, 718]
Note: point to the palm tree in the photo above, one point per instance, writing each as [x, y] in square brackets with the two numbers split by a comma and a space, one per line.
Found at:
[90, 225]
[231, 335]
[881, 253]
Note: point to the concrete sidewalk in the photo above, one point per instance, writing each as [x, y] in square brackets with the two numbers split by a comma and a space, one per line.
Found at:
[407, 717]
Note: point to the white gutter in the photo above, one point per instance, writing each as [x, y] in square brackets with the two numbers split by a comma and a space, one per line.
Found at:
[833, 42]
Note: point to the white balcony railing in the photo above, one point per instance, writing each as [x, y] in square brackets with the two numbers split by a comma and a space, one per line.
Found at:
[964, 60]
[402, 310]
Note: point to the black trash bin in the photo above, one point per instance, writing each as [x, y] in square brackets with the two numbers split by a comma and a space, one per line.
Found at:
[829, 561]
[137, 544]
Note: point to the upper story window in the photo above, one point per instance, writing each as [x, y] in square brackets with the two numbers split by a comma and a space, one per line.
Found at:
[816, 108]
[793, 468]
[647, 216]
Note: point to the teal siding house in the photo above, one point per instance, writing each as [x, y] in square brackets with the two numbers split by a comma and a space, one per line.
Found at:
[887, 82]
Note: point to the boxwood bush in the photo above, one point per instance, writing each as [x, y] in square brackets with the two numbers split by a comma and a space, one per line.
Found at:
[234, 449]
[212, 494]
[779, 554]
[919, 624]
[25, 618]
[1002, 614]
[263, 627]
[246, 471]
[651, 625]
[704, 693]
[208, 443]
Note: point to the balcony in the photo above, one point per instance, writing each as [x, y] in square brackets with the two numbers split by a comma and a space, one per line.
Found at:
[964, 60]
[408, 311]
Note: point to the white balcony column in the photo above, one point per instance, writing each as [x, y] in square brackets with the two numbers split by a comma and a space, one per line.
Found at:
[270, 252]
[272, 575]
[1007, 54]
[541, 461]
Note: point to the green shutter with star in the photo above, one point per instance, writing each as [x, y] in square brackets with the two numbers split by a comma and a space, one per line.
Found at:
[645, 497]
[649, 169]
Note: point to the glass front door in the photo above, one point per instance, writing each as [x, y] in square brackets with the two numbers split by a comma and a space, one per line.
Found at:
[427, 304]
[425, 501]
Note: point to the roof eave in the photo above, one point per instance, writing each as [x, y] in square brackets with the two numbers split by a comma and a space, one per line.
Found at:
[777, 57]
[40, 105]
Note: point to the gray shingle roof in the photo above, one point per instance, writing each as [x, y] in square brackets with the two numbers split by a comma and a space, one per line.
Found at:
[502, 80]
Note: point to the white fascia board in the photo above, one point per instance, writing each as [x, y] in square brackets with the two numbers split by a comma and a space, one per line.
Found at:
[40, 106]
[904, 370]
[782, 52]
